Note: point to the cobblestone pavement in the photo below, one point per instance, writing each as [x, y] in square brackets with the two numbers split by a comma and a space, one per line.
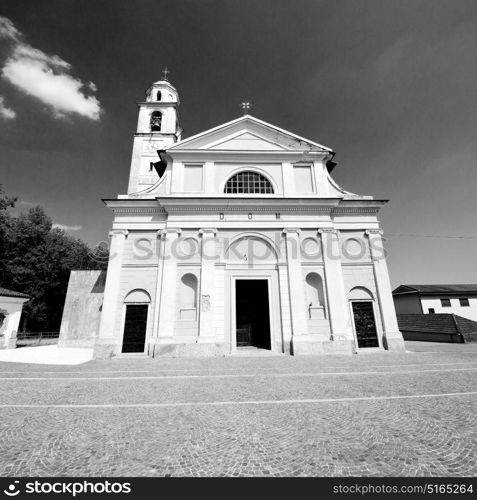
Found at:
[407, 414]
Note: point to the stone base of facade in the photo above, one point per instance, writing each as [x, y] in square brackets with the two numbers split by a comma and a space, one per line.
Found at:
[104, 350]
[189, 350]
[306, 345]
[12, 343]
[8, 345]
[85, 343]
[394, 343]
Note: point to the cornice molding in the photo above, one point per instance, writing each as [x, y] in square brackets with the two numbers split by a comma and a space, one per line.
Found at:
[328, 230]
[371, 232]
[171, 230]
[291, 230]
[142, 210]
[118, 232]
[355, 210]
[208, 230]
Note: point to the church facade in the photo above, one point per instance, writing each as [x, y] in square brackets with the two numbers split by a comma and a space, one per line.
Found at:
[239, 238]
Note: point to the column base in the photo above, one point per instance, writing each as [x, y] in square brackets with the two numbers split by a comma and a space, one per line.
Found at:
[394, 342]
[187, 350]
[305, 344]
[206, 340]
[105, 349]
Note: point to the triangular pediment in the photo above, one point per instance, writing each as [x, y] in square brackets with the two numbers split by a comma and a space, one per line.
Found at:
[247, 134]
[247, 141]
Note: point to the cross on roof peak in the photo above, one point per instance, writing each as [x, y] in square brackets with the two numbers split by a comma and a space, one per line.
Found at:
[165, 72]
[245, 105]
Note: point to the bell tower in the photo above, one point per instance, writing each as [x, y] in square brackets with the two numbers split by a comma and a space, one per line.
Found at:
[158, 127]
[159, 113]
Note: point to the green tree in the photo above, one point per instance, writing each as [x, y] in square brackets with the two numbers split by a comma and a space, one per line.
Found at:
[36, 259]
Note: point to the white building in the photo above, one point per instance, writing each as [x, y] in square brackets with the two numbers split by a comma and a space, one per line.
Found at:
[437, 299]
[11, 305]
[239, 237]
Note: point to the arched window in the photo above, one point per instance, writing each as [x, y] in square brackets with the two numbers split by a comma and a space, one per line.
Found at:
[156, 119]
[248, 183]
[158, 95]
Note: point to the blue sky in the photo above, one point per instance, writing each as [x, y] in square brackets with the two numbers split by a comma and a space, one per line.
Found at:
[391, 86]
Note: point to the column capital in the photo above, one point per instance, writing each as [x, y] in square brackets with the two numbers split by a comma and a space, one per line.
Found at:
[170, 230]
[291, 230]
[328, 230]
[370, 232]
[208, 230]
[118, 232]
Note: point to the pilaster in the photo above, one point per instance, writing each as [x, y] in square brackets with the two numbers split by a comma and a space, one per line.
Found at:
[109, 337]
[157, 295]
[299, 327]
[167, 301]
[340, 324]
[392, 337]
[207, 285]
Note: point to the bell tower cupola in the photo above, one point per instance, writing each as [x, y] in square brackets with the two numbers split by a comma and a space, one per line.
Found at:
[159, 113]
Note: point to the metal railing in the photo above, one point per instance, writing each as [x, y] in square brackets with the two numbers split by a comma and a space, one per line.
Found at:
[37, 338]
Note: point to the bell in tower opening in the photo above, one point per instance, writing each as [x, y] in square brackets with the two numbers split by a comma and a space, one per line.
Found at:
[156, 119]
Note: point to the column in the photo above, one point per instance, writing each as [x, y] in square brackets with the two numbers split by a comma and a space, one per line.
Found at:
[296, 287]
[157, 296]
[285, 306]
[392, 337]
[338, 309]
[207, 285]
[108, 338]
[168, 287]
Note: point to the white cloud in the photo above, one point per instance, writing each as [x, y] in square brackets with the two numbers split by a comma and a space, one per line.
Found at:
[46, 77]
[5, 111]
[65, 227]
[8, 30]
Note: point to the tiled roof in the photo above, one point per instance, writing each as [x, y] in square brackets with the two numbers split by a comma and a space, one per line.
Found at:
[436, 323]
[438, 289]
[4, 292]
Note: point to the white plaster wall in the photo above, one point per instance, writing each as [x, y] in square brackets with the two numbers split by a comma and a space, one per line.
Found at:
[12, 308]
[354, 247]
[435, 302]
[141, 248]
[219, 172]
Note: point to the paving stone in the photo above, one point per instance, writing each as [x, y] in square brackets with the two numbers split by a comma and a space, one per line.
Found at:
[430, 436]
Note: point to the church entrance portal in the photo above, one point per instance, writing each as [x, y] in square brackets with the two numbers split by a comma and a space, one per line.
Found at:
[365, 324]
[252, 313]
[135, 328]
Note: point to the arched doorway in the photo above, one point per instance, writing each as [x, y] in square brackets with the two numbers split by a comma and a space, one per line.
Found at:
[364, 317]
[254, 309]
[252, 313]
[135, 321]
